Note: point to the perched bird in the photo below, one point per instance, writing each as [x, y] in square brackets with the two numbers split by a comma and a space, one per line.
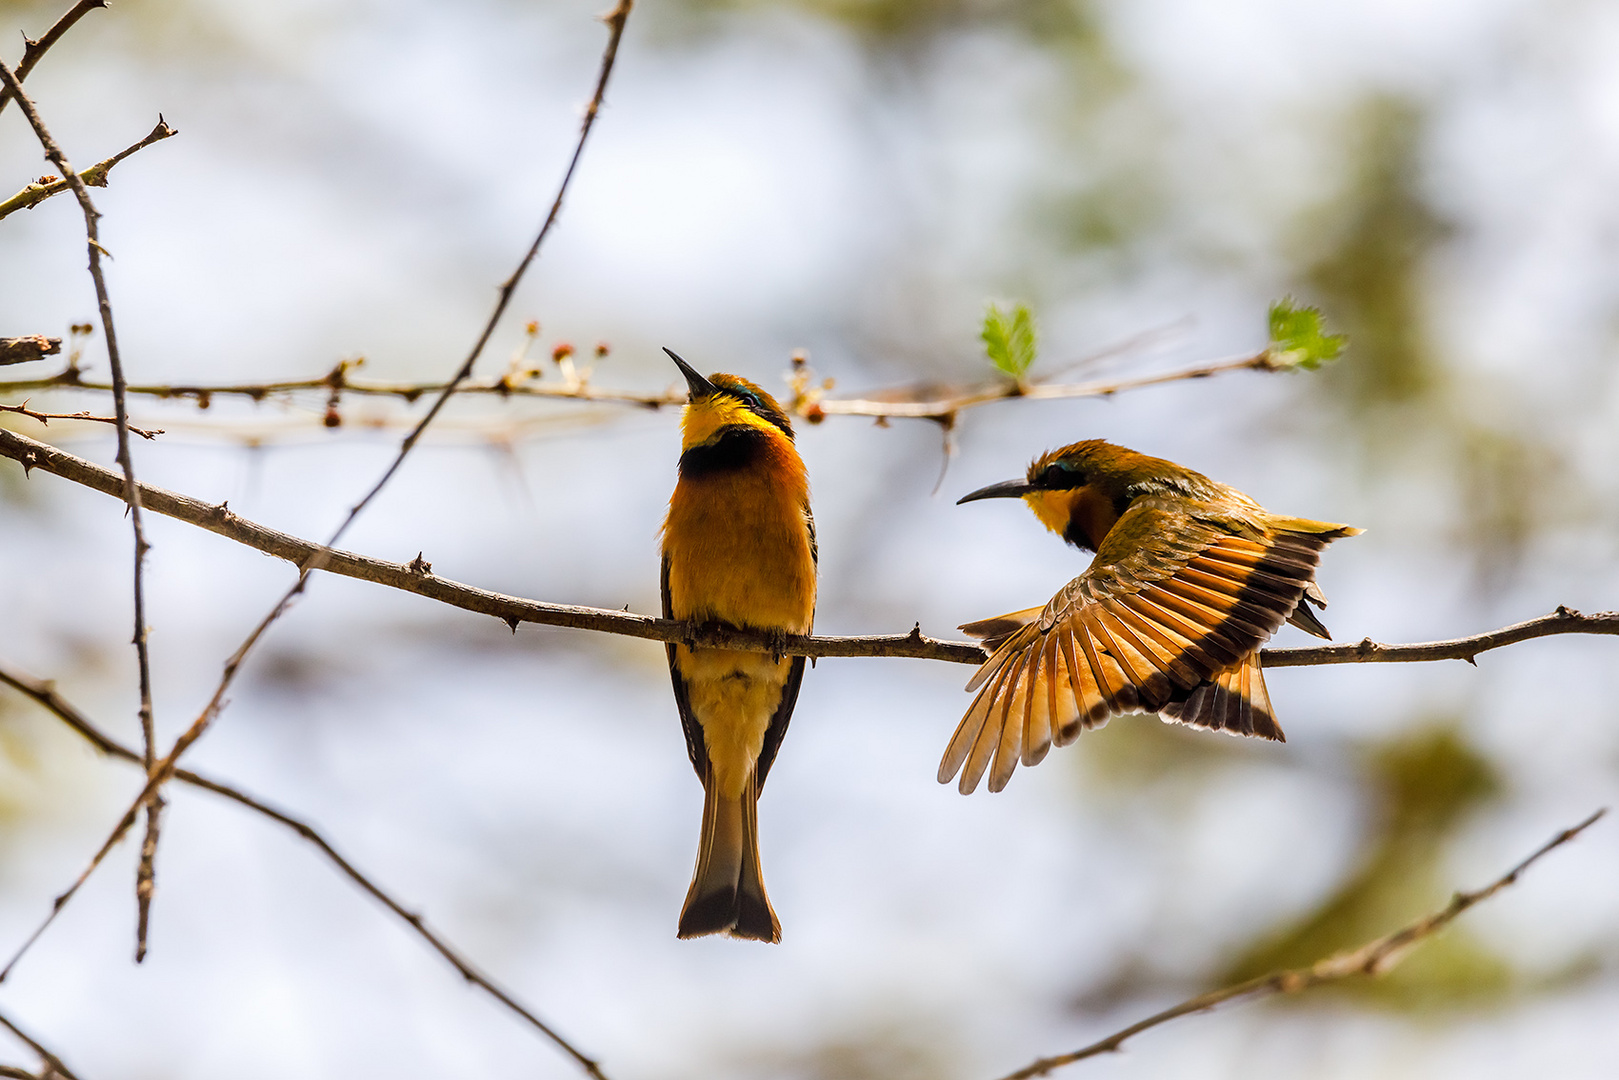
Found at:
[738, 548]
[1190, 578]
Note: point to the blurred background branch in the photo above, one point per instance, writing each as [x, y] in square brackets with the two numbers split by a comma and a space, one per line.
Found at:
[879, 405]
[1371, 959]
[53, 1064]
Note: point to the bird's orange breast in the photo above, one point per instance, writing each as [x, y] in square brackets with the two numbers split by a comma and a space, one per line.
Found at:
[739, 548]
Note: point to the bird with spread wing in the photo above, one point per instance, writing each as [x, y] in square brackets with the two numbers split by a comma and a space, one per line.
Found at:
[1190, 577]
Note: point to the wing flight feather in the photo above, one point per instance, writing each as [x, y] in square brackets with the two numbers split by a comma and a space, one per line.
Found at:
[1168, 620]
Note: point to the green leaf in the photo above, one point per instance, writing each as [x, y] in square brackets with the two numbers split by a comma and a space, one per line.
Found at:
[1009, 339]
[1298, 337]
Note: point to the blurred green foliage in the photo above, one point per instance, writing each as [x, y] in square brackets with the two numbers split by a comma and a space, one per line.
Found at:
[1298, 337]
[1378, 234]
[908, 1048]
[1491, 469]
[1424, 785]
[900, 25]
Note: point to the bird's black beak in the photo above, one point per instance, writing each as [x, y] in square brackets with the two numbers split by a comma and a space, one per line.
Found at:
[700, 387]
[1006, 489]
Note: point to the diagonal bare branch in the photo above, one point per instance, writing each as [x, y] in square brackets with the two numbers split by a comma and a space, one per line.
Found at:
[53, 1064]
[1371, 959]
[95, 176]
[33, 50]
[44, 694]
[144, 883]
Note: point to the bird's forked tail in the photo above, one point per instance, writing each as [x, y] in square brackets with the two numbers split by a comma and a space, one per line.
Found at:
[727, 894]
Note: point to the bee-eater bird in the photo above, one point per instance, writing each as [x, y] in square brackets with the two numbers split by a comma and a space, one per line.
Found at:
[1190, 577]
[738, 548]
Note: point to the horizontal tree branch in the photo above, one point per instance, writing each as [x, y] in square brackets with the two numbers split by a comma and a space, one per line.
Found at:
[808, 404]
[94, 176]
[1564, 620]
[417, 577]
[44, 694]
[21, 350]
[46, 418]
[943, 408]
[1373, 958]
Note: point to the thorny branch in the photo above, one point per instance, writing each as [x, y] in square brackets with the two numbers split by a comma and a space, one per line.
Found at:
[44, 693]
[53, 1064]
[805, 401]
[95, 176]
[1373, 958]
[34, 50]
[417, 577]
[160, 771]
[46, 418]
[144, 882]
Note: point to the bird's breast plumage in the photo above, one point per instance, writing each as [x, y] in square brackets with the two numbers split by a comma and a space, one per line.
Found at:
[740, 545]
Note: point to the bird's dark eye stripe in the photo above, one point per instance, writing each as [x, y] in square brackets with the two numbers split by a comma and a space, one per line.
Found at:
[1059, 475]
[757, 406]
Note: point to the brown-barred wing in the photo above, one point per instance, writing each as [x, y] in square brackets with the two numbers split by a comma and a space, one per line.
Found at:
[1166, 620]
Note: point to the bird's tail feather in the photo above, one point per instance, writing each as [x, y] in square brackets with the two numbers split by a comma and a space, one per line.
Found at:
[727, 894]
[1235, 701]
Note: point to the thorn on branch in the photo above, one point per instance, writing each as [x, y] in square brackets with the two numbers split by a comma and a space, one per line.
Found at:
[419, 565]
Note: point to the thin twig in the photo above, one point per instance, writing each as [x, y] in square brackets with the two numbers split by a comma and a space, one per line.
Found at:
[34, 50]
[877, 405]
[946, 407]
[1372, 959]
[94, 176]
[503, 387]
[53, 1064]
[417, 577]
[44, 693]
[23, 350]
[615, 21]
[145, 875]
[46, 418]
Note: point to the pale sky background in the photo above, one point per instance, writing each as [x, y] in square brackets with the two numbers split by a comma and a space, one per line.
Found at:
[355, 179]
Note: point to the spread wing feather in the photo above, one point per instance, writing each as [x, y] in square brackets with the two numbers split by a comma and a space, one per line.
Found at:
[1167, 619]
